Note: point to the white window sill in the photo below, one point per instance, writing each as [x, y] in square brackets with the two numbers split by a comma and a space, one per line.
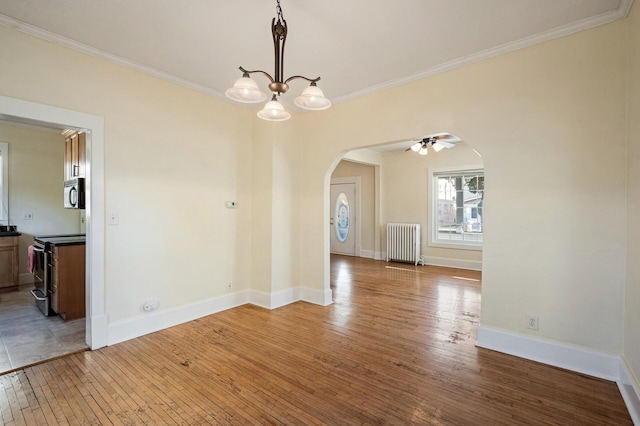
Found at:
[456, 245]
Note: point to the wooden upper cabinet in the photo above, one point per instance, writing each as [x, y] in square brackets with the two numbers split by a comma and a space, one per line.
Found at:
[75, 156]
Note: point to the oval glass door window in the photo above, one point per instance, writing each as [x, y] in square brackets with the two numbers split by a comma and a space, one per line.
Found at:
[341, 215]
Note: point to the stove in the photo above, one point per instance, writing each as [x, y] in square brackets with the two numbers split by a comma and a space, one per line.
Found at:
[43, 254]
[61, 239]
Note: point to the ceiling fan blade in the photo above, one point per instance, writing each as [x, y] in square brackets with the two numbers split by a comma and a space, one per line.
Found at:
[441, 136]
[445, 144]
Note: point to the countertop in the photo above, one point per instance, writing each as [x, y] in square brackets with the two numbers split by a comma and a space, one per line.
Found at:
[62, 240]
[9, 234]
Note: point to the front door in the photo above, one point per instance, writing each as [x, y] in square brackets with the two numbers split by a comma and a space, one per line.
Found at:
[342, 214]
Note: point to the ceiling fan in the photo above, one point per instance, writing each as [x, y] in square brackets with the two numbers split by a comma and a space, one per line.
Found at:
[437, 141]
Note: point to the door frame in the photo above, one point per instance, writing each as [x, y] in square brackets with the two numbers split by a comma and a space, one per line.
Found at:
[340, 181]
[18, 110]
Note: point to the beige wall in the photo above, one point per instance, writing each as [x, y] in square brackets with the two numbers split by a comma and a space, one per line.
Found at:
[406, 192]
[36, 175]
[538, 116]
[173, 157]
[632, 295]
[367, 201]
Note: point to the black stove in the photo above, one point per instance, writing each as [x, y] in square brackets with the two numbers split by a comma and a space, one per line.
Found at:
[43, 254]
[61, 240]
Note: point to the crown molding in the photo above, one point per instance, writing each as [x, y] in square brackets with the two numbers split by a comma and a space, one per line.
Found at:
[118, 60]
[620, 13]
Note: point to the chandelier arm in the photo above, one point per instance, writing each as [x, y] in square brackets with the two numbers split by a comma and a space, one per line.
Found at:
[246, 90]
[313, 81]
[255, 71]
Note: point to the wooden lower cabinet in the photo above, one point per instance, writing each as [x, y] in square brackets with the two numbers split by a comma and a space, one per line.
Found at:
[9, 266]
[68, 281]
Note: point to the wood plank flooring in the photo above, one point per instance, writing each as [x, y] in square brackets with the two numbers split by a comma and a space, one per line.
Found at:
[396, 347]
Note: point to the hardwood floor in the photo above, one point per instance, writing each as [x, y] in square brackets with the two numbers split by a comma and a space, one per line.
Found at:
[396, 347]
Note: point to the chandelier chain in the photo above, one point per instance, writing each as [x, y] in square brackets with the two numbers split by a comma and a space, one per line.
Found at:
[279, 11]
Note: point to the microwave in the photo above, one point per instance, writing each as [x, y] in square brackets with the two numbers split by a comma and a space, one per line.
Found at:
[74, 193]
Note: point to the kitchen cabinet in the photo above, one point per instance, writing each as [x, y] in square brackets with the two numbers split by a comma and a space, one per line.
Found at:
[9, 258]
[75, 153]
[68, 281]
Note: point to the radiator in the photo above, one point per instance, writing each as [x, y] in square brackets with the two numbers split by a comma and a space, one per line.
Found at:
[403, 242]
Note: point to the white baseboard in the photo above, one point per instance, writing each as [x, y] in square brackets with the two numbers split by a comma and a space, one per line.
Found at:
[291, 295]
[274, 300]
[159, 320]
[369, 254]
[156, 321]
[96, 336]
[472, 265]
[317, 297]
[630, 391]
[573, 358]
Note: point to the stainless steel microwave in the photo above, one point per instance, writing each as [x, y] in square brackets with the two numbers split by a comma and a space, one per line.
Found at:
[74, 193]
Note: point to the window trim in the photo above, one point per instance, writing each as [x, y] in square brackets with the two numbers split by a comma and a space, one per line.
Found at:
[433, 206]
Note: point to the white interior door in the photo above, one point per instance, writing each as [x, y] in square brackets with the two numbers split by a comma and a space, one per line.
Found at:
[342, 214]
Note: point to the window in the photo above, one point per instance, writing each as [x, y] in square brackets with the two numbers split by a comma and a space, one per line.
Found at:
[457, 208]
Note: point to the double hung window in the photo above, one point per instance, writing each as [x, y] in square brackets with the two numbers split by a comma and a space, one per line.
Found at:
[457, 199]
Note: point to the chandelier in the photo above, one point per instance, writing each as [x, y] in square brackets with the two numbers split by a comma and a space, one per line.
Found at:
[246, 90]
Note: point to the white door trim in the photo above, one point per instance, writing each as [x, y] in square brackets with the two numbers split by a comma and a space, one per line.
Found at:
[19, 110]
[356, 181]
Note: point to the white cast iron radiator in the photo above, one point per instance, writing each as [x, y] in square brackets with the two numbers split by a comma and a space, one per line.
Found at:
[403, 242]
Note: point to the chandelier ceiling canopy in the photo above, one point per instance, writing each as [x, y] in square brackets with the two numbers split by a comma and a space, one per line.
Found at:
[246, 90]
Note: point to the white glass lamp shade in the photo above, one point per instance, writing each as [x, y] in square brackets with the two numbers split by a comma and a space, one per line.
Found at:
[416, 146]
[423, 151]
[437, 147]
[246, 90]
[312, 98]
[274, 111]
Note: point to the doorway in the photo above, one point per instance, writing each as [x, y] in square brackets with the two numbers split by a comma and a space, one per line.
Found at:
[19, 111]
[342, 214]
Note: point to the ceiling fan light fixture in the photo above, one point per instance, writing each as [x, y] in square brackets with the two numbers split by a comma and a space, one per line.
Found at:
[423, 151]
[436, 146]
[416, 146]
[246, 90]
[274, 111]
[312, 98]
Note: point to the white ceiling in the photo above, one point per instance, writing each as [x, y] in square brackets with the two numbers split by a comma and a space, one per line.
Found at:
[356, 46]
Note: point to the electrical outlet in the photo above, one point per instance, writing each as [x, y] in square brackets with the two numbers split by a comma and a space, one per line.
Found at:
[229, 286]
[150, 305]
[28, 216]
[532, 322]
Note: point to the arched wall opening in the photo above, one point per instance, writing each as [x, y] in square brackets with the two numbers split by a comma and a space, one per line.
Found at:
[402, 193]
